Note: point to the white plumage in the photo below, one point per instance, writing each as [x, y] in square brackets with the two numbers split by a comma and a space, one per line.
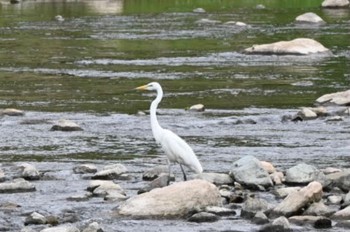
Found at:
[175, 148]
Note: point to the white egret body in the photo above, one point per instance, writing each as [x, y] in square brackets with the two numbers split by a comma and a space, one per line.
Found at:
[175, 148]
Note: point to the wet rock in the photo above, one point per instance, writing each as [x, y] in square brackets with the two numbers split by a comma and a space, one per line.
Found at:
[260, 7]
[16, 186]
[309, 17]
[162, 181]
[343, 214]
[249, 172]
[300, 46]
[304, 174]
[59, 18]
[66, 125]
[335, 119]
[35, 219]
[335, 200]
[111, 172]
[283, 192]
[82, 197]
[29, 172]
[346, 200]
[338, 98]
[203, 217]
[207, 22]
[236, 23]
[220, 211]
[330, 170]
[174, 200]
[245, 121]
[253, 205]
[268, 166]
[340, 179]
[323, 223]
[85, 169]
[103, 187]
[11, 112]
[62, 228]
[260, 218]
[154, 172]
[197, 108]
[215, 178]
[199, 10]
[93, 227]
[305, 219]
[115, 196]
[319, 209]
[281, 221]
[335, 3]
[294, 202]
[306, 114]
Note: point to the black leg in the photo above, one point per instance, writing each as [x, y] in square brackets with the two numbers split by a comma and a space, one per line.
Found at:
[185, 178]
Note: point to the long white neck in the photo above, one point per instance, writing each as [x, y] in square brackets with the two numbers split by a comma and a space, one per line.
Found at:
[156, 128]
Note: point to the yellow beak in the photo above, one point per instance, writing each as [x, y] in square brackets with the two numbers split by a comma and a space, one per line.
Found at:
[143, 87]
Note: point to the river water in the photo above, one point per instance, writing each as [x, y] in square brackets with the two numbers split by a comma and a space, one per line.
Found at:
[85, 68]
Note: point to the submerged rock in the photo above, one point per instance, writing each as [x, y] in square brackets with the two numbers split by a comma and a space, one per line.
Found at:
[175, 200]
[335, 3]
[204, 217]
[66, 125]
[300, 46]
[16, 186]
[309, 18]
[249, 172]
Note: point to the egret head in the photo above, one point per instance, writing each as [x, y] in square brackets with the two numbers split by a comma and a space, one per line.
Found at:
[150, 86]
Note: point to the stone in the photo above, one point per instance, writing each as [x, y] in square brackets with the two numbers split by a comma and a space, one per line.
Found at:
[248, 171]
[346, 200]
[281, 221]
[11, 112]
[197, 108]
[260, 7]
[319, 209]
[335, 3]
[306, 114]
[294, 202]
[29, 172]
[35, 219]
[335, 200]
[66, 125]
[82, 197]
[260, 218]
[268, 167]
[154, 172]
[199, 10]
[62, 228]
[111, 172]
[330, 170]
[115, 196]
[16, 186]
[323, 223]
[220, 211]
[253, 205]
[300, 46]
[2, 176]
[277, 178]
[283, 192]
[215, 178]
[175, 200]
[309, 17]
[304, 174]
[93, 227]
[103, 187]
[162, 181]
[203, 217]
[305, 220]
[59, 18]
[236, 23]
[338, 98]
[85, 169]
[340, 179]
[343, 214]
[207, 21]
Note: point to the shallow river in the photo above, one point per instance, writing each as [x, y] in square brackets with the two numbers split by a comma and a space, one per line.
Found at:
[85, 68]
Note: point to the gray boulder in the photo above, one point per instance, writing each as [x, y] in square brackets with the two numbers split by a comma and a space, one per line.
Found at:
[66, 125]
[338, 98]
[340, 179]
[11, 112]
[162, 181]
[29, 172]
[249, 172]
[215, 178]
[300, 46]
[35, 218]
[319, 209]
[253, 205]
[175, 200]
[304, 174]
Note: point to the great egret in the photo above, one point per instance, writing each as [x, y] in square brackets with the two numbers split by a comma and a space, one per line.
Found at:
[175, 148]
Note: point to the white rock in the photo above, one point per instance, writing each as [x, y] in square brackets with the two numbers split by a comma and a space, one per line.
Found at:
[334, 199]
[198, 10]
[207, 21]
[11, 112]
[309, 18]
[29, 172]
[62, 228]
[215, 178]
[35, 218]
[300, 46]
[109, 172]
[175, 200]
[59, 18]
[103, 187]
[268, 166]
[17, 185]
[343, 214]
[93, 227]
[277, 178]
[335, 3]
[66, 125]
[197, 107]
[338, 98]
[281, 221]
[295, 201]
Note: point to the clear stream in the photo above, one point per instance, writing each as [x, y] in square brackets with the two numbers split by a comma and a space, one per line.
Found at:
[85, 68]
